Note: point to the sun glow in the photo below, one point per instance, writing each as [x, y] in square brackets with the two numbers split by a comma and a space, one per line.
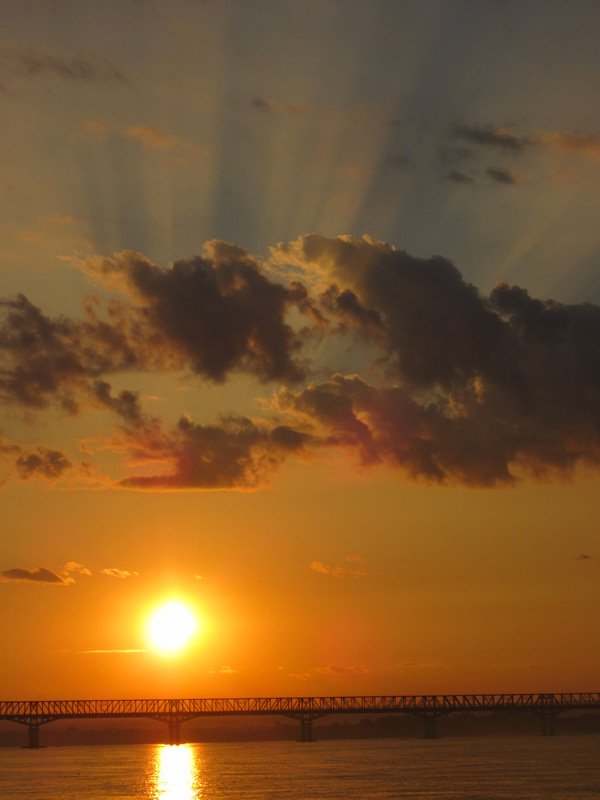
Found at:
[172, 627]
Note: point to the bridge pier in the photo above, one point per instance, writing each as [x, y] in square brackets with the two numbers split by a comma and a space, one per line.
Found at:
[548, 724]
[33, 737]
[430, 727]
[306, 730]
[174, 731]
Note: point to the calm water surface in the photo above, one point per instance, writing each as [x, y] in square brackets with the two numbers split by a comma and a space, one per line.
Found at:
[560, 768]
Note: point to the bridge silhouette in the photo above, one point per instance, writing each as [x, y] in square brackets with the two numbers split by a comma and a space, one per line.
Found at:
[305, 710]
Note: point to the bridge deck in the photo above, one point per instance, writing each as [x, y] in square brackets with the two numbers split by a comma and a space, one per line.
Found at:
[39, 711]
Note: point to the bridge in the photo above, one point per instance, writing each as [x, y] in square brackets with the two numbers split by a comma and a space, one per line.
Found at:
[173, 712]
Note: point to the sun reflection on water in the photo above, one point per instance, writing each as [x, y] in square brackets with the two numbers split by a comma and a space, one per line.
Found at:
[176, 773]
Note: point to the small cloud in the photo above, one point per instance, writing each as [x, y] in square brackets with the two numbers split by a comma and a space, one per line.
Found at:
[33, 63]
[115, 572]
[506, 176]
[336, 570]
[33, 575]
[199, 577]
[260, 104]
[572, 142]
[265, 106]
[102, 652]
[583, 557]
[301, 676]
[225, 670]
[354, 558]
[74, 566]
[458, 177]
[44, 462]
[147, 137]
[338, 669]
[488, 136]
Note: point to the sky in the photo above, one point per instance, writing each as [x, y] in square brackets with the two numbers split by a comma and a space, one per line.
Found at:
[300, 326]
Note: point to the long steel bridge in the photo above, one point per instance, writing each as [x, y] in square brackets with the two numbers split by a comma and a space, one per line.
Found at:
[173, 712]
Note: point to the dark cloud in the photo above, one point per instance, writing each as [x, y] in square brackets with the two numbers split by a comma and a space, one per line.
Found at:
[486, 388]
[237, 453]
[488, 136]
[458, 177]
[33, 63]
[506, 176]
[214, 315]
[269, 106]
[43, 463]
[583, 557]
[34, 575]
[430, 313]
[260, 104]
[40, 462]
[219, 313]
[46, 360]
[465, 388]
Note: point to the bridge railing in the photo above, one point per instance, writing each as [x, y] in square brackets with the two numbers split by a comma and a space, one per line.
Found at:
[224, 706]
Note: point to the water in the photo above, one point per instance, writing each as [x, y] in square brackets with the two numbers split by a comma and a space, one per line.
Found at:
[536, 768]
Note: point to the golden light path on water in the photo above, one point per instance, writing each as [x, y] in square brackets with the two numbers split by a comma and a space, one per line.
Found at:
[176, 773]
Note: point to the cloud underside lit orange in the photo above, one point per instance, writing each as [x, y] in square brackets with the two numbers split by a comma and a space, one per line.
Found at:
[461, 387]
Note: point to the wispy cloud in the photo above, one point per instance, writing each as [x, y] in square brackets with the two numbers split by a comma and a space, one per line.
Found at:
[149, 138]
[343, 669]
[506, 176]
[35, 62]
[338, 570]
[488, 136]
[122, 574]
[224, 670]
[33, 575]
[110, 651]
[265, 106]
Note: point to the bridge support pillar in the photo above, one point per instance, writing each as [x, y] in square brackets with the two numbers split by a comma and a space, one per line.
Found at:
[33, 737]
[174, 731]
[306, 731]
[548, 724]
[430, 729]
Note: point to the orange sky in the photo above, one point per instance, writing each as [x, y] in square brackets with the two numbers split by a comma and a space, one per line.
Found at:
[275, 340]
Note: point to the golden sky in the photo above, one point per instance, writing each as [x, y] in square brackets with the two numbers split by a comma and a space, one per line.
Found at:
[300, 326]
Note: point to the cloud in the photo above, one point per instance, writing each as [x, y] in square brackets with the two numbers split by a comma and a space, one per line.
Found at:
[270, 106]
[338, 669]
[75, 567]
[583, 557]
[485, 388]
[571, 142]
[506, 176]
[43, 462]
[103, 652]
[225, 670]
[235, 454]
[337, 570]
[462, 387]
[32, 63]
[180, 150]
[458, 177]
[115, 572]
[219, 312]
[33, 575]
[488, 136]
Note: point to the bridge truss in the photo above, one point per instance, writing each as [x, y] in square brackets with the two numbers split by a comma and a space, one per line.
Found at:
[34, 713]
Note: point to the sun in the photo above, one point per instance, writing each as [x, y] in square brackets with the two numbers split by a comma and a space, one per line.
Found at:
[172, 627]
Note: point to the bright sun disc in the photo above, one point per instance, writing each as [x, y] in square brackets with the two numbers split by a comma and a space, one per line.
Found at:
[171, 627]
